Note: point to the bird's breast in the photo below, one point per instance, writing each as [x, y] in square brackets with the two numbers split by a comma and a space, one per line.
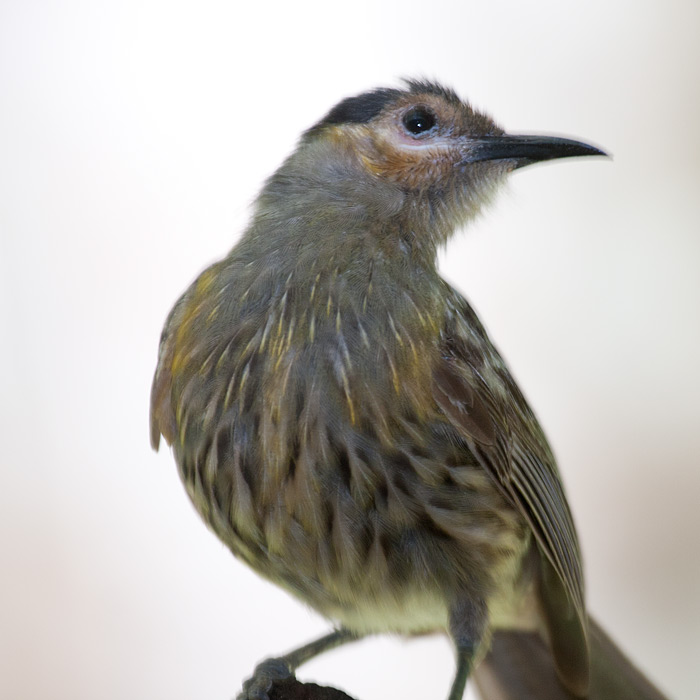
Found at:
[309, 440]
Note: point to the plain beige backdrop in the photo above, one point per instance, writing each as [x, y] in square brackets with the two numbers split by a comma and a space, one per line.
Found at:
[133, 137]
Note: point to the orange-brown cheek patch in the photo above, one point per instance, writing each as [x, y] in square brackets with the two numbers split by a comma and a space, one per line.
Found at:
[413, 170]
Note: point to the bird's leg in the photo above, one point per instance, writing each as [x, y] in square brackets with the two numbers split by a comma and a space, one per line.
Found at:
[465, 659]
[281, 667]
[468, 620]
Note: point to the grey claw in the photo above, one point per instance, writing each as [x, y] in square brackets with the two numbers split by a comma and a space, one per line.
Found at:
[266, 673]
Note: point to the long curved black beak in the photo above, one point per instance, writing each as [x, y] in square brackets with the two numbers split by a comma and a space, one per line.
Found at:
[525, 150]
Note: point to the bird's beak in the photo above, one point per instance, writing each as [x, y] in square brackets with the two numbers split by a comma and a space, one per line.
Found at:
[525, 150]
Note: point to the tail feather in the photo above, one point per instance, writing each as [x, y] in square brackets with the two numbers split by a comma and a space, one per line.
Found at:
[520, 666]
[613, 674]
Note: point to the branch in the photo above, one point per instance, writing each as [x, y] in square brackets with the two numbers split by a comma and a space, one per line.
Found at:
[292, 689]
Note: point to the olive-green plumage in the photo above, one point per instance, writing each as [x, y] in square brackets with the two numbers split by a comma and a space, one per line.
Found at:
[338, 414]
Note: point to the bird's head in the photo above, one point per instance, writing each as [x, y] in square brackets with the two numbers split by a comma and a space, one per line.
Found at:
[420, 154]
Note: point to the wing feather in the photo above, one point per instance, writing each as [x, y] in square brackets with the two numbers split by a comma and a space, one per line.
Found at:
[475, 390]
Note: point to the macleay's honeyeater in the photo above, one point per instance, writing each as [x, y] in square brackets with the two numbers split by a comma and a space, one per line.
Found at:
[343, 423]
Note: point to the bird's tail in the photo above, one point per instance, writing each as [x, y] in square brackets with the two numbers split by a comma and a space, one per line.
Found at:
[519, 666]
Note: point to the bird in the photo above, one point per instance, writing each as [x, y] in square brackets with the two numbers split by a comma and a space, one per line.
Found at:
[343, 422]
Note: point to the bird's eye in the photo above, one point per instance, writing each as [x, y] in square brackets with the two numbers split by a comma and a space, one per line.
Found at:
[418, 120]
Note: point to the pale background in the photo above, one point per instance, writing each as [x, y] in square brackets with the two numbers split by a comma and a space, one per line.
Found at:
[133, 136]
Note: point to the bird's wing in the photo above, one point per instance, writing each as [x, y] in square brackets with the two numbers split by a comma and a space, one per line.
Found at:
[474, 388]
[162, 411]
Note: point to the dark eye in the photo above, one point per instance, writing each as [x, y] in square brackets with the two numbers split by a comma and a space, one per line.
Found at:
[418, 120]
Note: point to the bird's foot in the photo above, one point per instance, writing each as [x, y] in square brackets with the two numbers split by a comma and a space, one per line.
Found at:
[257, 687]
